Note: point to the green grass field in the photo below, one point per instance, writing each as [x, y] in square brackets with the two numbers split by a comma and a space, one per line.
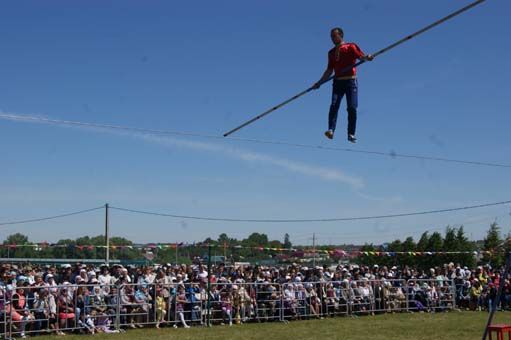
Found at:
[417, 326]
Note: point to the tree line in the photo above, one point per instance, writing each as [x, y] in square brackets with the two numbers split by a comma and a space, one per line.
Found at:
[454, 240]
[250, 249]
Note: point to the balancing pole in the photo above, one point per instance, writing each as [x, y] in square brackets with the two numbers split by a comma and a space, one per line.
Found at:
[399, 42]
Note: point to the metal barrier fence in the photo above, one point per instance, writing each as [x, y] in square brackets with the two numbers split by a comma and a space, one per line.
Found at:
[96, 308]
[431, 295]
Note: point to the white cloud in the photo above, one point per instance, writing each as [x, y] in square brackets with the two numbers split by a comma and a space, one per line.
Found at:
[305, 169]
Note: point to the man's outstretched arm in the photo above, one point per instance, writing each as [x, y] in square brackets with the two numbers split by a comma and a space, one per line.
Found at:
[324, 77]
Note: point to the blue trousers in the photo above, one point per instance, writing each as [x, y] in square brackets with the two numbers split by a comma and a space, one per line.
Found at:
[348, 87]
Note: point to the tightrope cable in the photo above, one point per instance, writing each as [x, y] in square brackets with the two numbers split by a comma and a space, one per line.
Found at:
[390, 154]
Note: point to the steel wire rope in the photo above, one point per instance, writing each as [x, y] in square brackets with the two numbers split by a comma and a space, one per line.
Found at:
[391, 154]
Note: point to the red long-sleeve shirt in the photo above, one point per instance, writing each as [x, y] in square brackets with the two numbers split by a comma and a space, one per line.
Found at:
[342, 56]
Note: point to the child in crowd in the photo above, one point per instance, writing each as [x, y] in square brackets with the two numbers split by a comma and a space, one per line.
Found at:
[161, 308]
[180, 306]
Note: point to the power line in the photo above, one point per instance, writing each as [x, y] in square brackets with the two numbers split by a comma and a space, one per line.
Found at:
[393, 230]
[50, 217]
[309, 220]
[390, 154]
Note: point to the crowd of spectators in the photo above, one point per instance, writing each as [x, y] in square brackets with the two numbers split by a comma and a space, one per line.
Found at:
[85, 298]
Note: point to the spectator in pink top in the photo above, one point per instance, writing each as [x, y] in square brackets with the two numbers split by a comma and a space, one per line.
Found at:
[180, 305]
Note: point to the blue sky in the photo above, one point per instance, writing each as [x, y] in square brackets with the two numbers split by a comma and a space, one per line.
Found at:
[207, 66]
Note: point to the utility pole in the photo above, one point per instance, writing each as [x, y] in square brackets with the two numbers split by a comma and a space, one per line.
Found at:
[314, 249]
[107, 236]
